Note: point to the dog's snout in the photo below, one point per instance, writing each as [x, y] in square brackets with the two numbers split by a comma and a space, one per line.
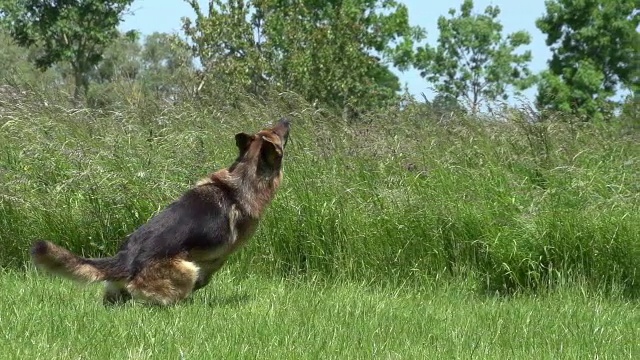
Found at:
[285, 122]
[282, 129]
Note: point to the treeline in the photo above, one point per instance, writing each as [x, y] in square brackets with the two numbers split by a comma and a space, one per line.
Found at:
[337, 54]
[131, 67]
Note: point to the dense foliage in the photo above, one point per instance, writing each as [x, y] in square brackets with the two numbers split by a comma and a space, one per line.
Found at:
[74, 32]
[596, 53]
[338, 55]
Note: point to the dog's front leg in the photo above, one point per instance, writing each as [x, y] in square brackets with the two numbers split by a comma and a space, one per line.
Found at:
[207, 271]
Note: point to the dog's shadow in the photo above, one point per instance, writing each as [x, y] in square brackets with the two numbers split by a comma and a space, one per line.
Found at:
[209, 299]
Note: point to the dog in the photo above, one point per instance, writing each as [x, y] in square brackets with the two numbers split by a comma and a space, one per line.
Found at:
[179, 249]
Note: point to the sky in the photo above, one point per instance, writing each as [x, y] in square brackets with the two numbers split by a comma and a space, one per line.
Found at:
[164, 16]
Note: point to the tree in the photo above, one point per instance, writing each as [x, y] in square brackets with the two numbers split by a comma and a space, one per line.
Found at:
[473, 63]
[335, 52]
[17, 71]
[71, 31]
[15, 68]
[595, 53]
[167, 65]
[223, 41]
[630, 112]
[445, 105]
[121, 60]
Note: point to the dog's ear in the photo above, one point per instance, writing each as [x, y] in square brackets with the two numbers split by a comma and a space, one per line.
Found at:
[243, 140]
[270, 152]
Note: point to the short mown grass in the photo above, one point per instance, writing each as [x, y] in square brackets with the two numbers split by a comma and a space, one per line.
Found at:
[253, 317]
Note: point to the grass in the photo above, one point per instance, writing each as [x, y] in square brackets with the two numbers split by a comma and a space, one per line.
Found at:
[259, 317]
[511, 205]
[400, 236]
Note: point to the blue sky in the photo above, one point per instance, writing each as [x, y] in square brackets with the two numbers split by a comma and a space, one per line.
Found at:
[164, 16]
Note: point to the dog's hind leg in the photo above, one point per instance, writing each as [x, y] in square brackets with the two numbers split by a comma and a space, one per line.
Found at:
[115, 293]
[164, 282]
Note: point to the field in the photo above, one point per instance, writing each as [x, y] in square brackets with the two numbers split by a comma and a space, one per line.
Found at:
[402, 235]
[252, 317]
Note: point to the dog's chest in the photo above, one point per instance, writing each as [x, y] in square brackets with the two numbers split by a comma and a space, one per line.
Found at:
[241, 229]
[245, 228]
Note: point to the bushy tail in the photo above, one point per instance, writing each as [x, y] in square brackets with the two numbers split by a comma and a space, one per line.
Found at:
[49, 256]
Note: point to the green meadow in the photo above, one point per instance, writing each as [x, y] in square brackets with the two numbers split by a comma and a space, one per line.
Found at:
[250, 317]
[402, 235]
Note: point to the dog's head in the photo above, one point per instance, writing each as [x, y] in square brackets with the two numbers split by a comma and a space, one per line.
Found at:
[264, 149]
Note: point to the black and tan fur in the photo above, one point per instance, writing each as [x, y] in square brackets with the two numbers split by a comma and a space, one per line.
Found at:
[178, 250]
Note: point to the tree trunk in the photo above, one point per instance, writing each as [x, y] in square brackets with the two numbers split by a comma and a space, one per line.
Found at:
[81, 86]
[77, 94]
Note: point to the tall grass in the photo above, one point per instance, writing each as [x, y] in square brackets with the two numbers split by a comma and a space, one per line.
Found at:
[397, 197]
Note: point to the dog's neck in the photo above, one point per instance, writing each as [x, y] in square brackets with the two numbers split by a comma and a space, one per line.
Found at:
[252, 192]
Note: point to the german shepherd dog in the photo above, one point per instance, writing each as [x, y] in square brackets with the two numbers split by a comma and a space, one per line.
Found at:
[178, 250]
